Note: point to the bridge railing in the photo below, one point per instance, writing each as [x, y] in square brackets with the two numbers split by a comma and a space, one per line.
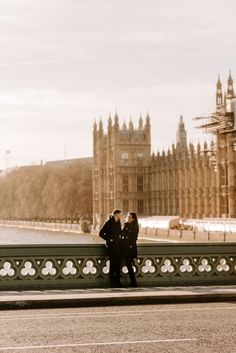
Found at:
[84, 266]
[187, 235]
[43, 225]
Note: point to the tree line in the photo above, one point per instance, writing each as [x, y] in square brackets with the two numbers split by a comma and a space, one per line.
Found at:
[47, 193]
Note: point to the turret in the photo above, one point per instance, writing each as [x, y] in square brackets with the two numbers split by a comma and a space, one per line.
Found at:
[191, 149]
[230, 94]
[109, 125]
[124, 127]
[205, 155]
[148, 124]
[191, 154]
[219, 93]
[100, 127]
[131, 126]
[140, 122]
[173, 148]
[181, 135]
[147, 129]
[109, 121]
[116, 122]
[186, 153]
[95, 135]
[95, 126]
[230, 88]
[198, 149]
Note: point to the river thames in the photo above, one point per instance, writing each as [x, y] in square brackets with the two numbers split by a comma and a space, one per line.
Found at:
[13, 235]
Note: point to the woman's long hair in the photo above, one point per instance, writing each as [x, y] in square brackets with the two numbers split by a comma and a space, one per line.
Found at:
[135, 220]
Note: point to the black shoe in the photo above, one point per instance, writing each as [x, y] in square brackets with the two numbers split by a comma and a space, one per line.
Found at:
[134, 284]
[119, 285]
[116, 285]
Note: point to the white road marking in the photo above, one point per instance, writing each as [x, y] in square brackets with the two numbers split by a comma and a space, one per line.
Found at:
[109, 314]
[39, 317]
[98, 344]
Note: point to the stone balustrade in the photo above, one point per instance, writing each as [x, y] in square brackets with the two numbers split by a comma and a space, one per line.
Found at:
[187, 235]
[27, 267]
[152, 233]
[39, 225]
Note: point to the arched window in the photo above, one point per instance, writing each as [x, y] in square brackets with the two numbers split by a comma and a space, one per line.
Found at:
[124, 157]
[125, 182]
[140, 183]
[140, 156]
[125, 205]
[140, 207]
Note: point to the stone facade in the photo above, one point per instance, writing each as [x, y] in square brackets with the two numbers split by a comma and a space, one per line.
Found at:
[122, 160]
[192, 182]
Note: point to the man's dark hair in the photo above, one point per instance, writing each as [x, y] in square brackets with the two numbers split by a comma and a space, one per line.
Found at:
[116, 211]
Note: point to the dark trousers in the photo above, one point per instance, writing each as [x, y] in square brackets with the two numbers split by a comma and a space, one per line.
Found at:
[129, 264]
[115, 264]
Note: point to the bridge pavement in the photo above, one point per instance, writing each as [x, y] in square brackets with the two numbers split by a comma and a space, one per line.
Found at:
[116, 296]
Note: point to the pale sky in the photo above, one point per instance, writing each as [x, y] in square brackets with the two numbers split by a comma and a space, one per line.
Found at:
[64, 63]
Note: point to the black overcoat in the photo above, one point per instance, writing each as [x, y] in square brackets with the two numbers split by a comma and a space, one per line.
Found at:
[129, 240]
[111, 232]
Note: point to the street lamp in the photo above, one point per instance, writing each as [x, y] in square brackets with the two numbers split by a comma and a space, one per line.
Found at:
[7, 155]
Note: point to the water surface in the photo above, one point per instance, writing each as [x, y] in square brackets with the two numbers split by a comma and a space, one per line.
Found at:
[11, 235]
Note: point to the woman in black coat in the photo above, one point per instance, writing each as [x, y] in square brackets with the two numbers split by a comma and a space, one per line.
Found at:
[129, 238]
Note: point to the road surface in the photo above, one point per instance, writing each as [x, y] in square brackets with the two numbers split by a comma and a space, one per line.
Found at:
[202, 328]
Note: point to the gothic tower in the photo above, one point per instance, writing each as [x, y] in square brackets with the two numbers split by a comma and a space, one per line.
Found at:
[226, 157]
[121, 168]
[219, 94]
[181, 138]
[230, 88]
[230, 94]
[222, 125]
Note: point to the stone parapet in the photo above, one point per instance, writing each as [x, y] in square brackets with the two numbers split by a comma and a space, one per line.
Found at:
[28, 267]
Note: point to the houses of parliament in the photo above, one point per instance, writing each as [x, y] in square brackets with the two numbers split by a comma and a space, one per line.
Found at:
[186, 180]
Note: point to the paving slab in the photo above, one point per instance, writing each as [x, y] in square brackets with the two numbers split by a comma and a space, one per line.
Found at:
[115, 296]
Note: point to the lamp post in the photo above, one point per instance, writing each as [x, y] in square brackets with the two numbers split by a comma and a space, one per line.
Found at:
[7, 155]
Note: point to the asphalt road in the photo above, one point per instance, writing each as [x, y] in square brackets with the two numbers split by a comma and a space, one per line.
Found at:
[181, 328]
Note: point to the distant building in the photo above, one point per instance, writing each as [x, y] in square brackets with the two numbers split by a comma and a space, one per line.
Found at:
[87, 162]
[192, 182]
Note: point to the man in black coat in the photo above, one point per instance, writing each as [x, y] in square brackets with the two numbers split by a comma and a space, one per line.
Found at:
[111, 233]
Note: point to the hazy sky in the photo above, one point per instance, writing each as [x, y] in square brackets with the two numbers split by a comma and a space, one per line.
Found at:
[65, 62]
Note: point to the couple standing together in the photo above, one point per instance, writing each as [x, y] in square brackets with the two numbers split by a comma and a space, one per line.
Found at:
[121, 245]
